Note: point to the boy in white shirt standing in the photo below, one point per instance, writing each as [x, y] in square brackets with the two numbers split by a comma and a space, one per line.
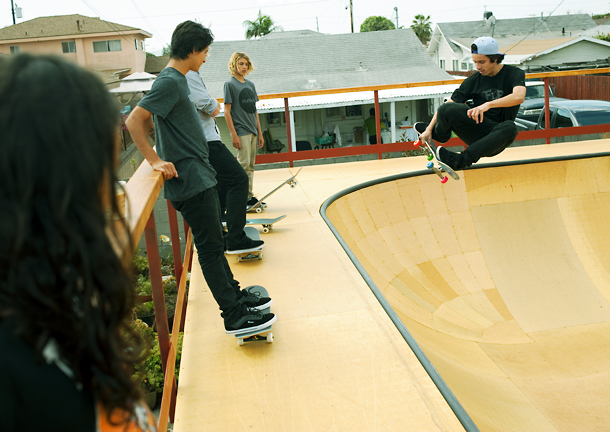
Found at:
[241, 116]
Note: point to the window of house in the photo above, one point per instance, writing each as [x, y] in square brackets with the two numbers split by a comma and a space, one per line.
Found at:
[455, 65]
[442, 64]
[68, 47]
[274, 119]
[136, 42]
[464, 66]
[353, 111]
[334, 112]
[15, 49]
[142, 43]
[106, 46]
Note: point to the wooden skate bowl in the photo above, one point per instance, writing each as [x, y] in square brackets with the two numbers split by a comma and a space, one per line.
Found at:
[503, 279]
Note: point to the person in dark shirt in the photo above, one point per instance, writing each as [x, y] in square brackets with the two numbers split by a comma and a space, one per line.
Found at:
[182, 155]
[66, 347]
[496, 90]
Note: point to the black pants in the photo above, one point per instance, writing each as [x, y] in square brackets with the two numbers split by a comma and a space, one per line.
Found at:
[202, 213]
[232, 189]
[484, 139]
[372, 139]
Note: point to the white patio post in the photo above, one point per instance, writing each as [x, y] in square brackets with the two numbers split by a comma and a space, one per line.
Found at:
[393, 120]
[292, 133]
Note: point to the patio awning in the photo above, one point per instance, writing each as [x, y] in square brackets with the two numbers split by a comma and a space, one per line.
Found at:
[355, 98]
[134, 83]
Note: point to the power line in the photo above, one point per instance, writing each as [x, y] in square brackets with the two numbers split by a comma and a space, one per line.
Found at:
[149, 23]
[537, 27]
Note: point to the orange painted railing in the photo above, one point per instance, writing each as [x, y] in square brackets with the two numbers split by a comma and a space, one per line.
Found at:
[142, 191]
[144, 187]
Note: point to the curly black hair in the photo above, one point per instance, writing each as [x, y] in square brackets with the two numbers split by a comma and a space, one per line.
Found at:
[61, 272]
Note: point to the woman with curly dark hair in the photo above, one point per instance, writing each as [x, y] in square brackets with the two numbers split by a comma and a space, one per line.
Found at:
[66, 347]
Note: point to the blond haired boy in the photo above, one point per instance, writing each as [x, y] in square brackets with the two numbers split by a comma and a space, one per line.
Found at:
[241, 116]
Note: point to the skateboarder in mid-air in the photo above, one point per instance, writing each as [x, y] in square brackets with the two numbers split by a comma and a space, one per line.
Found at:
[497, 90]
[190, 184]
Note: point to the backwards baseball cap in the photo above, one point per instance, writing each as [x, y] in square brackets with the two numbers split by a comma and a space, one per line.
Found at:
[485, 45]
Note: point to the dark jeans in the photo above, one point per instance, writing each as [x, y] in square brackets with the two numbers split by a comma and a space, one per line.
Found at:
[232, 189]
[202, 213]
[484, 139]
[372, 139]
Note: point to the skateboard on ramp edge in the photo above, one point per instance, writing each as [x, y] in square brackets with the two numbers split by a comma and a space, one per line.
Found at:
[260, 206]
[256, 335]
[266, 223]
[256, 254]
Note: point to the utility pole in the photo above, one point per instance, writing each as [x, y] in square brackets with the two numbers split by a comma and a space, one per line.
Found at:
[13, 12]
[351, 15]
[396, 10]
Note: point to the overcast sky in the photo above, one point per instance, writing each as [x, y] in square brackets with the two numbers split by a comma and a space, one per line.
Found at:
[160, 17]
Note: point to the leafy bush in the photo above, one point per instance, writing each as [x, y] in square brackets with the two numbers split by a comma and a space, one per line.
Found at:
[602, 36]
[153, 368]
[145, 309]
[140, 265]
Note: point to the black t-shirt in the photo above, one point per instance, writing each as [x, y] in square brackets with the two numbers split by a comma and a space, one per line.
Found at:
[483, 89]
[37, 396]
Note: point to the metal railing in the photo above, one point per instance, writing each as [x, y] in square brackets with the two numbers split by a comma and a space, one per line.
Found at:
[142, 191]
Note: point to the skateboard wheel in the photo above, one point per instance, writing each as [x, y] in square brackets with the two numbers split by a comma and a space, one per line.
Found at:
[430, 157]
[240, 342]
[265, 230]
[259, 210]
[270, 338]
[444, 179]
[429, 165]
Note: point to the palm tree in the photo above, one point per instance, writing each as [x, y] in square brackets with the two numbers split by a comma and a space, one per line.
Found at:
[261, 26]
[376, 23]
[422, 28]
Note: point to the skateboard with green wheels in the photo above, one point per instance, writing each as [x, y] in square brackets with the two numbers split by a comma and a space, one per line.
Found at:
[439, 168]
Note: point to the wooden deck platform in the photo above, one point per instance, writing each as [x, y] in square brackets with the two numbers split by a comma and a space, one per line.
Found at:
[502, 277]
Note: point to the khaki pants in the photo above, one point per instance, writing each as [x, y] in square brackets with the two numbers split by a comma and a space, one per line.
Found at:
[246, 157]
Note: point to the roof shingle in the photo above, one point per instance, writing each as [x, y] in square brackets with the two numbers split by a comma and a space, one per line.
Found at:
[63, 25]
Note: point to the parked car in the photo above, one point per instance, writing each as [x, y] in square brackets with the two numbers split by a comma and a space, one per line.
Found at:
[570, 113]
[534, 100]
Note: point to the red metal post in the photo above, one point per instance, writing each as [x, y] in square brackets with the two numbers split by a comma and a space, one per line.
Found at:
[377, 121]
[288, 132]
[175, 235]
[156, 282]
[547, 111]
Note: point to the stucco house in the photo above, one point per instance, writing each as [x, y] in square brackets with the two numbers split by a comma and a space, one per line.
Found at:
[91, 42]
[532, 38]
[288, 62]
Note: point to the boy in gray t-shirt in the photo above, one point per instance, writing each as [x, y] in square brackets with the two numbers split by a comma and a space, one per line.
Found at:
[183, 158]
[241, 116]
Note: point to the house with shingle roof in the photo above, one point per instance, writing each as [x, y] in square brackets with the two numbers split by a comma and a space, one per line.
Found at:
[91, 42]
[450, 43]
